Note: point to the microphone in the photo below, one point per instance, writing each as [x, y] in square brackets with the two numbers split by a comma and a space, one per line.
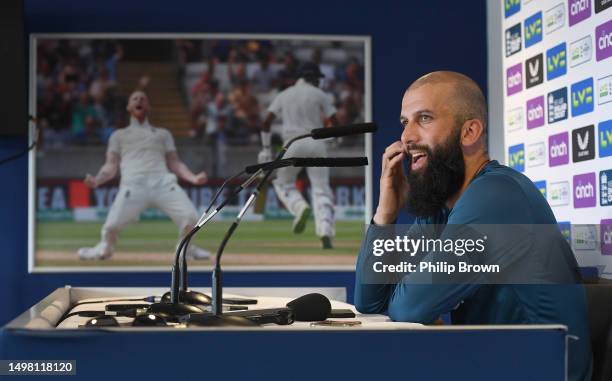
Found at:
[309, 162]
[310, 307]
[336, 132]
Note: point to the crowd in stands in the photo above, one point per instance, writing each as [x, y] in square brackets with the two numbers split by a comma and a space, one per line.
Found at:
[230, 83]
[77, 97]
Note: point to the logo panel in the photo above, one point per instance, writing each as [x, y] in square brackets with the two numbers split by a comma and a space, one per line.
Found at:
[585, 237]
[513, 39]
[514, 79]
[582, 97]
[605, 138]
[566, 230]
[535, 112]
[558, 149]
[605, 187]
[541, 185]
[511, 7]
[602, 5]
[583, 144]
[579, 10]
[514, 119]
[557, 105]
[604, 89]
[516, 157]
[603, 39]
[559, 193]
[533, 29]
[536, 154]
[581, 51]
[584, 190]
[554, 18]
[606, 236]
[534, 69]
[556, 63]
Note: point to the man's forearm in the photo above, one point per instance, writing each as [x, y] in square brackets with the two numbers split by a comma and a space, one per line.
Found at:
[183, 172]
[106, 173]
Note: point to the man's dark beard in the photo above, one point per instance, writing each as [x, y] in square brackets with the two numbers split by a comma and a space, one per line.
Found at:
[441, 178]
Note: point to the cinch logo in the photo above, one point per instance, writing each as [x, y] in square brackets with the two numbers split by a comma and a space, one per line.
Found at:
[583, 144]
[558, 149]
[559, 193]
[534, 67]
[605, 138]
[535, 112]
[578, 10]
[533, 29]
[601, 5]
[566, 230]
[582, 97]
[513, 40]
[554, 18]
[584, 190]
[555, 62]
[514, 79]
[557, 105]
[511, 7]
[605, 187]
[581, 51]
[516, 157]
[536, 154]
[604, 86]
[603, 36]
[606, 237]
[541, 185]
[514, 119]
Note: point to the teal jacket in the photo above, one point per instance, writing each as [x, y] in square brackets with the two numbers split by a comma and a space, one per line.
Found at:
[497, 195]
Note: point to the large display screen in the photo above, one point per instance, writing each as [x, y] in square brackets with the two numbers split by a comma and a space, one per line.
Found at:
[557, 103]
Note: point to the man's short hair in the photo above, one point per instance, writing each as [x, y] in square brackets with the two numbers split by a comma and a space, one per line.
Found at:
[467, 101]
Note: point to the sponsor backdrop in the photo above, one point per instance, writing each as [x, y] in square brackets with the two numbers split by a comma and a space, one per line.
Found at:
[558, 114]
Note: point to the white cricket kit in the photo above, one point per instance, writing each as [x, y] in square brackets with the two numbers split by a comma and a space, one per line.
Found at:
[303, 107]
[145, 180]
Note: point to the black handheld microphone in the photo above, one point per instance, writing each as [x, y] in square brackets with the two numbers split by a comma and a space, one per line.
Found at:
[336, 132]
[310, 162]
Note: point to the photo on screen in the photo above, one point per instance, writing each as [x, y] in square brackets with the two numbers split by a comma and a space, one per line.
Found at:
[208, 96]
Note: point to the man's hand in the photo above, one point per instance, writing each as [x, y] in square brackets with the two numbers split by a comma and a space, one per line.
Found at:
[90, 181]
[393, 185]
[200, 178]
[265, 155]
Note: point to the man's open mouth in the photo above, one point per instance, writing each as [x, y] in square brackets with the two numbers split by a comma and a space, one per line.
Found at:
[419, 159]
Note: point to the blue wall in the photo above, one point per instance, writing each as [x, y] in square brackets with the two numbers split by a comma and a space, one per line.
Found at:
[409, 38]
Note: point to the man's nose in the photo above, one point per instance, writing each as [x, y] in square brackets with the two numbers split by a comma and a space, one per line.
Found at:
[410, 134]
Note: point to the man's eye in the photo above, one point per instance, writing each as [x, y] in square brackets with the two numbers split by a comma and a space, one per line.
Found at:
[424, 118]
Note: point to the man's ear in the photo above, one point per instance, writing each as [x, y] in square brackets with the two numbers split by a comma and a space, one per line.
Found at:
[471, 132]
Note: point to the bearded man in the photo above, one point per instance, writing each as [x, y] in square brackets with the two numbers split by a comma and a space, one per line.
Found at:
[452, 183]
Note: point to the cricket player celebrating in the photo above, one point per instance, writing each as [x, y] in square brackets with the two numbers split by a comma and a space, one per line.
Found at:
[303, 107]
[149, 165]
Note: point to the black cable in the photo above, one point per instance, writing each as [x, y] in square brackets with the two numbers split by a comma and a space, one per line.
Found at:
[30, 147]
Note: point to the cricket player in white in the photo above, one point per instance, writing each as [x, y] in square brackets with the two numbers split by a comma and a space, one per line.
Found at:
[149, 165]
[303, 107]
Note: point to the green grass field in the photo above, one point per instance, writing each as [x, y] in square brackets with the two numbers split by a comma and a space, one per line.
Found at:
[58, 242]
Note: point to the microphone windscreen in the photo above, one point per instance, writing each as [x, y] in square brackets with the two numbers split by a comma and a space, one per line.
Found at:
[336, 132]
[310, 307]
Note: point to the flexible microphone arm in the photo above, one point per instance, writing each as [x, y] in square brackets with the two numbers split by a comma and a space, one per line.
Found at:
[217, 286]
[180, 264]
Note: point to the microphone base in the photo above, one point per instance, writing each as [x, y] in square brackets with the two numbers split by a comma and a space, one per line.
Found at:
[172, 312]
[212, 320]
[189, 297]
